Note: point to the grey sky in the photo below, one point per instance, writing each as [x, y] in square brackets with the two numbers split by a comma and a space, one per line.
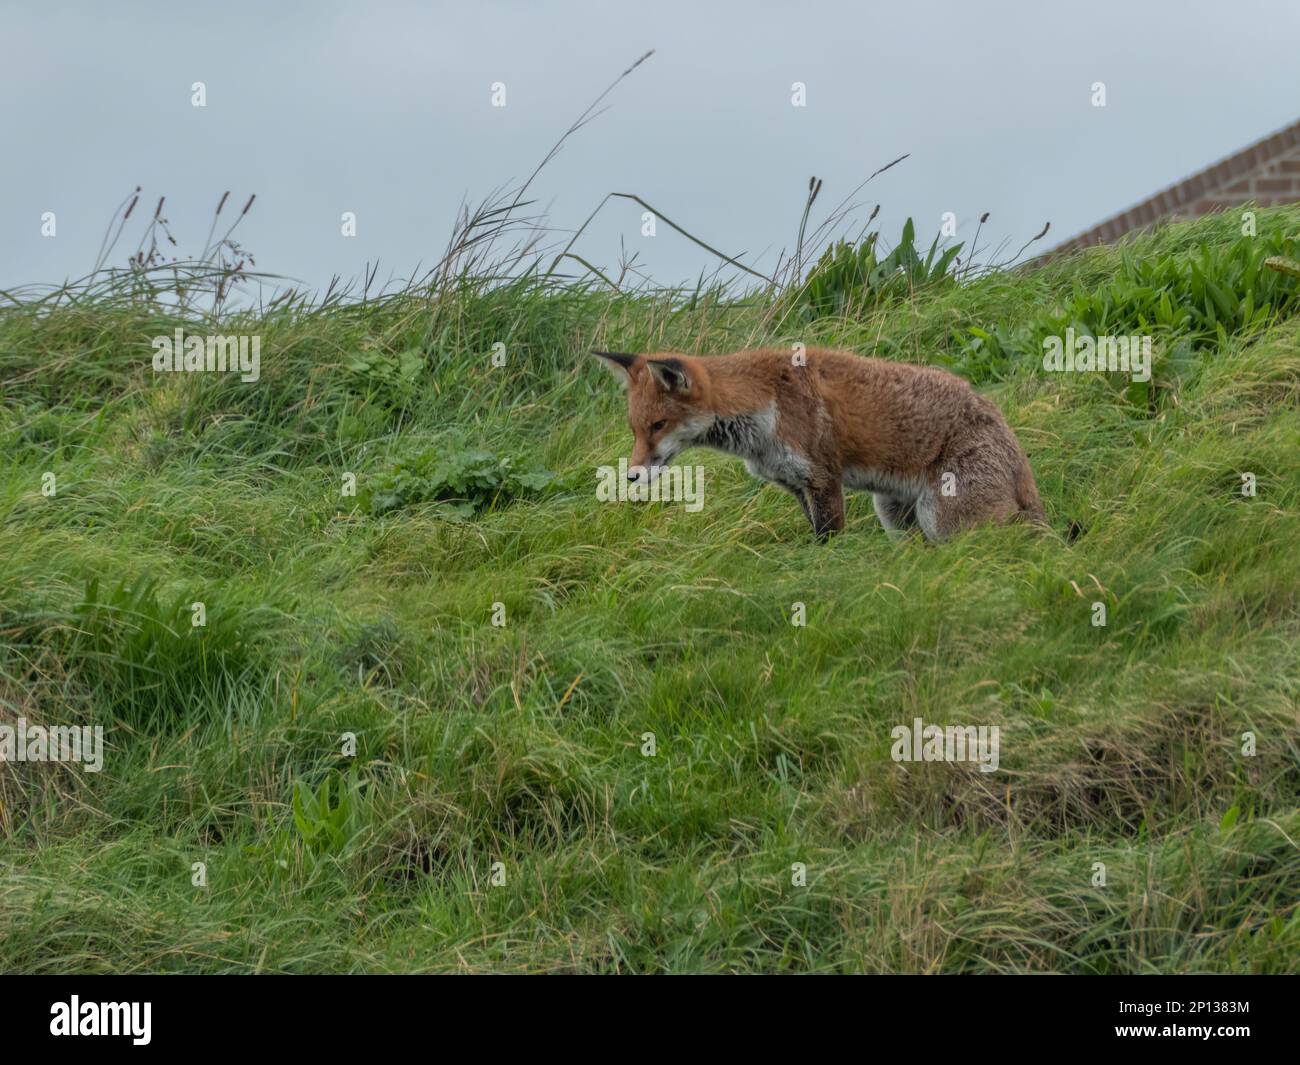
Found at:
[383, 108]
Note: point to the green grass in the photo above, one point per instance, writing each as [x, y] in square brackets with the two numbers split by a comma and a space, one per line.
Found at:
[522, 745]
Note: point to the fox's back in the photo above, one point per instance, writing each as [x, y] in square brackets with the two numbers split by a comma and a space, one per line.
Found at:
[895, 415]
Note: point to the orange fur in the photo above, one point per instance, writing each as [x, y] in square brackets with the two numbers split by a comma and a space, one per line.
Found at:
[837, 420]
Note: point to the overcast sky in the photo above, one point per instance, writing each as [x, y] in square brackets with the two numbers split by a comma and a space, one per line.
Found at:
[385, 109]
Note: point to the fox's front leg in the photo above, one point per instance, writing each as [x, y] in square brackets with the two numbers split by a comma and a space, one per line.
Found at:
[825, 507]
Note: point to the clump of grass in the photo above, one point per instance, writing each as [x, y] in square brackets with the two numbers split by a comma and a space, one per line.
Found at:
[147, 660]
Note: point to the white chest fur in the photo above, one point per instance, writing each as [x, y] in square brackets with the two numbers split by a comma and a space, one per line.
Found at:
[753, 437]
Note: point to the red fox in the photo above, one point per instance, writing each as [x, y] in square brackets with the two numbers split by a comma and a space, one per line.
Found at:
[932, 452]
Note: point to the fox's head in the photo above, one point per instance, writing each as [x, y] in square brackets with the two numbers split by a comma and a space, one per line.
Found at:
[665, 407]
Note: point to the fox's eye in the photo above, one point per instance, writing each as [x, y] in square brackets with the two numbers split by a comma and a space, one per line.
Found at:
[657, 426]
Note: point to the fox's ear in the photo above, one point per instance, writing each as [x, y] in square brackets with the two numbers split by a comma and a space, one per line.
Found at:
[619, 363]
[670, 374]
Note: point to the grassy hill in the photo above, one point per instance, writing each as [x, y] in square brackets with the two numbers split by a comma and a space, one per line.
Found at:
[500, 811]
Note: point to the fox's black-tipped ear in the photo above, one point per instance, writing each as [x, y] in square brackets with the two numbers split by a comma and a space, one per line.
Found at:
[670, 374]
[619, 363]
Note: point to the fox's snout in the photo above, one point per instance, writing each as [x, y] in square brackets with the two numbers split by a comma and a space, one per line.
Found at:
[647, 472]
[646, 459]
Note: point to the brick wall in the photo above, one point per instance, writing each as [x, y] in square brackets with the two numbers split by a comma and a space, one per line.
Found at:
[1267, 173]
[1268, 183]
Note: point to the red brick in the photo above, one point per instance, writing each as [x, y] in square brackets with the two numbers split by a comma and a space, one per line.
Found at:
[1277, 185]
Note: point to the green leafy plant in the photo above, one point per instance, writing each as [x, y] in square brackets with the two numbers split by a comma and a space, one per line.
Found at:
[850, 276]
[1214, 293]
[467, 480]
[325, 824]
[394, 372]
